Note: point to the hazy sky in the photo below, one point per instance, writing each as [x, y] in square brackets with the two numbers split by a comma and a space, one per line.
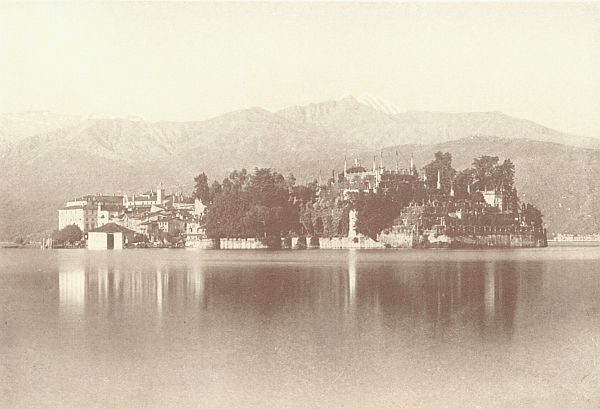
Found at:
[183, 61]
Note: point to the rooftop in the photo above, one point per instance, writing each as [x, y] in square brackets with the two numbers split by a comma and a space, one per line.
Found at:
[112, 228]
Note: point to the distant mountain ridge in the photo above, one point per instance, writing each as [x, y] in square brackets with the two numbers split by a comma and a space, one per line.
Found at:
[61, 157]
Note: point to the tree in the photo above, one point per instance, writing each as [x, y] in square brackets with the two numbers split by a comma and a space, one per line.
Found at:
[374, 212]
[504, 175]
[255, 205]
[268, 188]
[201, 189]
[442, 163]
[463, 184]
[319, 226]
[174, 236]
[303, 194]
[215, 189]
[487, 174]
[69, 234]
[531, 215]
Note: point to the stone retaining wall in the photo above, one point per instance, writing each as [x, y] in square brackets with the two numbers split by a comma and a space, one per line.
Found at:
[239, 244]
[349, 243]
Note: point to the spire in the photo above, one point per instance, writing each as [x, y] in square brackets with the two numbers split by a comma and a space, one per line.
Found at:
[439, 181]
[412, 165]
[374, 164]
[396, 161]
[381, 160]
[469, 187]
[345, 165]
[451, 189]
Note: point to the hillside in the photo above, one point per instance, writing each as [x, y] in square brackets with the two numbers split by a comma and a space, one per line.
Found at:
[93, 155]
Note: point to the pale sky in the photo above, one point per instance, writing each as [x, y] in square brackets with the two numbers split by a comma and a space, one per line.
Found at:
[192, 61]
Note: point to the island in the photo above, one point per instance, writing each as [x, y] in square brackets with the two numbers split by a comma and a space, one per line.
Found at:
[354, 207]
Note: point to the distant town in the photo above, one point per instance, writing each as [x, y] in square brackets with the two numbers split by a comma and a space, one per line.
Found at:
[361, 206]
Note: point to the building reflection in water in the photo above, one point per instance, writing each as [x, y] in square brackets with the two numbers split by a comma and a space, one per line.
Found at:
[72, 289]
[102, 283]
[112, 282]
[489, 288]
[357, 287]
[444, 295]
[352, 278]
[195, 282]
[159, 289]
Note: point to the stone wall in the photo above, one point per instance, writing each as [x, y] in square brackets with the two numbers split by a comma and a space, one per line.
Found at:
[349, 243]
[398, 239]
[498, 240]
[206, 244]
[245, 244]
[433, 239]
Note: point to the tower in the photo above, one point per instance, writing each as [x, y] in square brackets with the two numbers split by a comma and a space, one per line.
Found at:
[412, 165]
[451, 189]
[160, 195]
[439, 181]
[345, 165]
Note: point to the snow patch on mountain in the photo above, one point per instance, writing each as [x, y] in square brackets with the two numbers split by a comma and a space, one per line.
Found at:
[379, 104]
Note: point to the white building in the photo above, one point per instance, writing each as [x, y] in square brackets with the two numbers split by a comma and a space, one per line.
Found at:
[110, 236]
[84, 211]
[494, 198]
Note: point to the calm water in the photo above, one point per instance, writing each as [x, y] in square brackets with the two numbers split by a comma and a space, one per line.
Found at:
[351, 329]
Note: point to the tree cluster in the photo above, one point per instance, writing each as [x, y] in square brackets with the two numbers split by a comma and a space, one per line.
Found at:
[262, 204]
[68, 234]
[375, 212]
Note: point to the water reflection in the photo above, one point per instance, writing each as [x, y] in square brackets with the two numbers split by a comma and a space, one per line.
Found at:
[154, 328]
[72, 290]
[440, 294]
[352, 277]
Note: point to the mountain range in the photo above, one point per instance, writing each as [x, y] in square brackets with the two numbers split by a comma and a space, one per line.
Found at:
[46, 159]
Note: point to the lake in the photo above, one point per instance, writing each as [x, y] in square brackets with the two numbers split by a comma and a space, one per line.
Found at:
[300, 329]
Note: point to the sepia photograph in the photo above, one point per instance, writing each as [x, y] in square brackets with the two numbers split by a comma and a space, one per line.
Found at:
[291, 205]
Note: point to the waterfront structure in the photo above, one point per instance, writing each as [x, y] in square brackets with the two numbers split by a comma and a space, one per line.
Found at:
[88, 212]
[153, 215]
[110, 236]
[439, 215]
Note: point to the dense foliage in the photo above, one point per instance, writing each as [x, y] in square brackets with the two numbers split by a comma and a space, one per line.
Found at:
[442, 163]
[266, 205]
[374, 213]
[259, 205]
[69, 234]
[201, 189]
